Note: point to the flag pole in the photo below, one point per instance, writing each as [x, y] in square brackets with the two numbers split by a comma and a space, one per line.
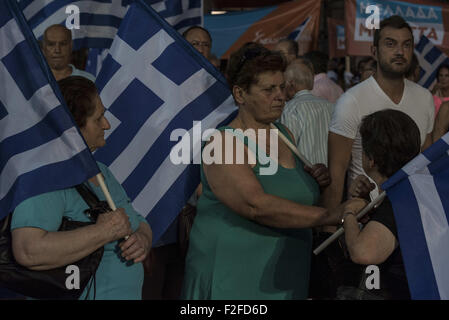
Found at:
[341, 230]
[105, 190]
[293, 148]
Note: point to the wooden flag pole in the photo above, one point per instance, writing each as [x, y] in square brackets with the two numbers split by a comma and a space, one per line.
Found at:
[105, 190]
[293, 148]
[341, 230]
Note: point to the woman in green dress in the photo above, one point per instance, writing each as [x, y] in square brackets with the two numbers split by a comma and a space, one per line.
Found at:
[252, 236]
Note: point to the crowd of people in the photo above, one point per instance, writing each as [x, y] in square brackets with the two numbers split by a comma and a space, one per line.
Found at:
[253, 234]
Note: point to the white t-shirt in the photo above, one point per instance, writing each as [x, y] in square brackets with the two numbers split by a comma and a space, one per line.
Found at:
[366, 98]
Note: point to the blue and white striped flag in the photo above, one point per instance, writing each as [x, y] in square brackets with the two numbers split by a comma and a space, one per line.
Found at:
[100, 19]
[152, 83]
[41, 149]
[430, 58]
[419, 193]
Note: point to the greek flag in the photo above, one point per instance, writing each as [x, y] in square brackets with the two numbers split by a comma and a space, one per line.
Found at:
[419, 193]
[41, 149]
[153, 82]
[430, 58]
[99, 20]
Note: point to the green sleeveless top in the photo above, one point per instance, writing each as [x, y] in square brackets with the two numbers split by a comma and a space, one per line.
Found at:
[231, 257]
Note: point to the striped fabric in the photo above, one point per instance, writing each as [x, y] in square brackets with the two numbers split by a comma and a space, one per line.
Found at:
[41, 149]
[100, 19]
[419, 193]
[308, 118]
[429, 58]
[152, 83]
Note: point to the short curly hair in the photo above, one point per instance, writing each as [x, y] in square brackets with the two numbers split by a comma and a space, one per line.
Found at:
[79, 94]
[391, 139]
[247, 63]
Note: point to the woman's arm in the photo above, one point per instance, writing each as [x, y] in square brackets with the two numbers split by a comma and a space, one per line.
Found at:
[441, 125]
[238, 188]
[371, 245]
[38, 249]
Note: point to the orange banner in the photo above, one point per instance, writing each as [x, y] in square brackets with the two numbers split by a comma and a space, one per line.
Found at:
[336, 37]
[297, 19]
[425, 17]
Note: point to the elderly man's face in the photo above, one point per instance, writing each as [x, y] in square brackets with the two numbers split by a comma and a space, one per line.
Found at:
[57, 48]
[200, 41]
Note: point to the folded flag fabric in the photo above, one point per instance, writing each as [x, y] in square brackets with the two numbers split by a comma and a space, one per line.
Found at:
[99, 20]
[419, 193]
[41, 149]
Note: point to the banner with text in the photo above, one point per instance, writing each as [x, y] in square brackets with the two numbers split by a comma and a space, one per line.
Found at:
[425, 17]
[297, 20]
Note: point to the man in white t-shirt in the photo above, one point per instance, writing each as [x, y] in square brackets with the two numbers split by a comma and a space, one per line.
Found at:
[387, 89]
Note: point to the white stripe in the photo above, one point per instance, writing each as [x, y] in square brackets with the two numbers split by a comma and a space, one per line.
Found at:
[34, 7]
[94, 32]
[417, 164]
[11, 36]
[167, 173]
[67, 145]
[25, 114]
[113, 9]
[180, 97]
[436, 228]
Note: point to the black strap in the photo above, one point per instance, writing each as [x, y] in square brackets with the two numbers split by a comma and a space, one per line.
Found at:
[88, 196]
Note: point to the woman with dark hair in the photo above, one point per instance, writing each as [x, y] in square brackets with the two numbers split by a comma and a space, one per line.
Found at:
[390, 139]
[441, 90]
[37, 243]
[252, 238]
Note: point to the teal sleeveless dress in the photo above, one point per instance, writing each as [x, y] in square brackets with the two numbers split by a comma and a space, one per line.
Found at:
[231, 257]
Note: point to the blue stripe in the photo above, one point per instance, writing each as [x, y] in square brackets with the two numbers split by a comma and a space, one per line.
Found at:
[418, 265]
[433, 55]
[160, 150]
[131, 122]
[89, 19]
[100, 43]
[49, 128]
[421, 44]
[75, 171]
[173, 201]
[436, 151]
[47, 11]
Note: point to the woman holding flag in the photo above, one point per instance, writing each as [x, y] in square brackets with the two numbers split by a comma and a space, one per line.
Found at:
[390, 139]
[252, 238]
[37, 243]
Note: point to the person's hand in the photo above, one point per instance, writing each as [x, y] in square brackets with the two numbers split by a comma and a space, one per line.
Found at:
[136, 247]
[361, 187]
[320, 173]
[354, 206]
[115, 223]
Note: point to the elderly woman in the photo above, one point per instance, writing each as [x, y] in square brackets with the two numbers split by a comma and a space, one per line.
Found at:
[390, 139]
[252, 236]
[38, 245]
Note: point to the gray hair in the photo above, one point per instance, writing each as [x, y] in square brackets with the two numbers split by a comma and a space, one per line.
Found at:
[299, 73]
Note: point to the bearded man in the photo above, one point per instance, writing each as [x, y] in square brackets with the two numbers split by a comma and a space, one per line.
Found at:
[388, 89]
